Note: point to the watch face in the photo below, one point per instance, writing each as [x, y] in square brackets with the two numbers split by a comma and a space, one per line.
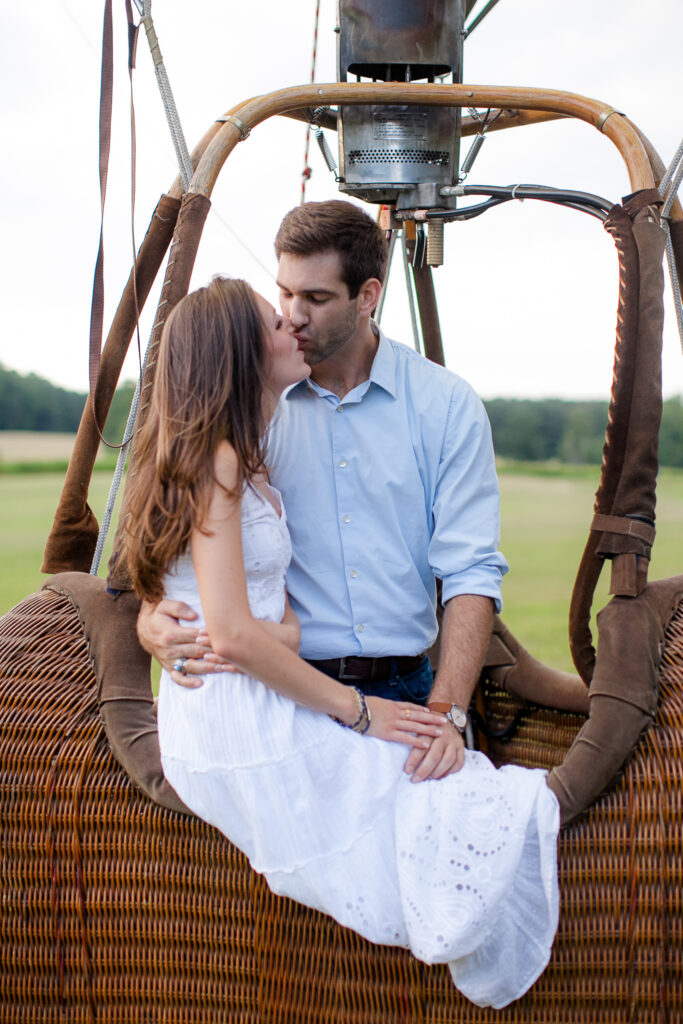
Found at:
[458, 717]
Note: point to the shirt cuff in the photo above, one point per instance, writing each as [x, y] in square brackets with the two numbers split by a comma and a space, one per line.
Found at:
[482, 580]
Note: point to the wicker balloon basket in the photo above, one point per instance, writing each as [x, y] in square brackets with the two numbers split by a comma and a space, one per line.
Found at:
[117, 910]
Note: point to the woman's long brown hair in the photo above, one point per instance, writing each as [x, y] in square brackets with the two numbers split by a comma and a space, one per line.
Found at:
[208, 388]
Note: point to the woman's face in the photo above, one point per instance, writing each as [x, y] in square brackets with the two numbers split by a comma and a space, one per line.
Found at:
[285, 364]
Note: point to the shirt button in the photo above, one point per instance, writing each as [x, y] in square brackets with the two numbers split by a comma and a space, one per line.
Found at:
[347, 519]
[342, 463]
[360, 628]
[340, 408]
[353, 574]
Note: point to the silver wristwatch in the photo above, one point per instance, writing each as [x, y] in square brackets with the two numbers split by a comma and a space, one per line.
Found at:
[456, 715]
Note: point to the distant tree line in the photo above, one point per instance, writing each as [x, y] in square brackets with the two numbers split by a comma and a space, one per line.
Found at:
[524, 429]
[31, 403]
[574, 432]
[28, 402]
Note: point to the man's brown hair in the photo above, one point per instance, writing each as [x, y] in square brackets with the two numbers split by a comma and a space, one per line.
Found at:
[336, 226]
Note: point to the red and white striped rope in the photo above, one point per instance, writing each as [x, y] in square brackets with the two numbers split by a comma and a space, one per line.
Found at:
[306, 173]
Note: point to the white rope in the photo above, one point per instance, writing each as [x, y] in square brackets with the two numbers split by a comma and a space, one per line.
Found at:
[179, 144]
[672, 177]
[668, 189]
[675, 284]
[115, 483]
[185, 165]
[411, 295]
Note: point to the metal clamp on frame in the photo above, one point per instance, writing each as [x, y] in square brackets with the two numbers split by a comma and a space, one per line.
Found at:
[607, 112]
[236, 123]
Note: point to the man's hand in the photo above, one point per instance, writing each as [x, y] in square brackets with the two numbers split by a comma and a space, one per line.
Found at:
[161, 634]
[446, 754]
[467, 623]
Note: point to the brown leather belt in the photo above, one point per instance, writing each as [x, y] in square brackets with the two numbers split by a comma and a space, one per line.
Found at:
[368, 668]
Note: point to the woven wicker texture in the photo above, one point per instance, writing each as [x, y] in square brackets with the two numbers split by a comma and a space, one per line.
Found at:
[116, 910]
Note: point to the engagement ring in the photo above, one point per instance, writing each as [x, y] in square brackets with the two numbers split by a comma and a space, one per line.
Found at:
[179, 666]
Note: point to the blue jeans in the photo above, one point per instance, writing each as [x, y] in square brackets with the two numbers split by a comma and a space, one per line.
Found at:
[414, 687]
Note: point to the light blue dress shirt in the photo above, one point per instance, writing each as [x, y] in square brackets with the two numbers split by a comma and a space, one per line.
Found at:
[385, 489]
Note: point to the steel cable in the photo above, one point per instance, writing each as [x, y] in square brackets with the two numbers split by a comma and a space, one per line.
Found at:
[668, 188]
[675, 283]
[179, 144]
[116, 481]
[186, 171]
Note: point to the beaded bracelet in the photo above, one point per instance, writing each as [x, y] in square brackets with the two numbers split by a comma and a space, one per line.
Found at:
[362, 723]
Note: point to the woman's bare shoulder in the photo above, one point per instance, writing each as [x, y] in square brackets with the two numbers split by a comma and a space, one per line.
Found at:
[226, 497]
[226, 465]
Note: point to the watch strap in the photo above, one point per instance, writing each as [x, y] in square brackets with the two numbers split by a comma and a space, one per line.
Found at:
[440, 707]
[443, 708]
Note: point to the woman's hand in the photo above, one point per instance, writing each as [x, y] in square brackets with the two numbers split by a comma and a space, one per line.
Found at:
[401, 722]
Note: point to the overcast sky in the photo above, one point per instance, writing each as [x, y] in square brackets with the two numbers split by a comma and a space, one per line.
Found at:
[528, 292]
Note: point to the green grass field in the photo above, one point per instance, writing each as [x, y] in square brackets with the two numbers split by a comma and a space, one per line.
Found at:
[545, 521]
[27, 506]
[545, 517]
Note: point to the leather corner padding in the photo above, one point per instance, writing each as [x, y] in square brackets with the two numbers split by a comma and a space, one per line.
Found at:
[511, 666]
[635, 492]
[73, 538]
[131, 729]
[630, 464]
[631, 634]
[602, 746]
[119, 578]
[623, 694]
[122, 671]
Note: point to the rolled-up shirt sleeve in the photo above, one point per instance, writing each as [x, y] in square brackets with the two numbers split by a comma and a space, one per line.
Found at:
[463, 552]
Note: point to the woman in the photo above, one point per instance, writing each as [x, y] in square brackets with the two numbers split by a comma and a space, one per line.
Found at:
[460, 870]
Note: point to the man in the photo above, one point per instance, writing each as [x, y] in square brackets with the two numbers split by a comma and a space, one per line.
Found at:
[386, 467]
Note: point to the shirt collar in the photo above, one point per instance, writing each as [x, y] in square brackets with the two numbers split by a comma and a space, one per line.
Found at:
[383, 372]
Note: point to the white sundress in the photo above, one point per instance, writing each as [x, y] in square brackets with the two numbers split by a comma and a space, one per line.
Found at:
[460, 870]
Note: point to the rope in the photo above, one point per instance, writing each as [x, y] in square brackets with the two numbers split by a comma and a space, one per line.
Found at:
[411, 296]
[116, 481]
[383, 293]
[668, 188]
[186, 171]
[308, 171]
[675, 284]
[179, 144]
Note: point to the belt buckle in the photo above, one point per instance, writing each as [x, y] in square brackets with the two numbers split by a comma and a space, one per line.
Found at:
[343, 674]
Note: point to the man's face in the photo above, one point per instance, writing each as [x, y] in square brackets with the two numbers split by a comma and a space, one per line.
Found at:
[316, 300]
